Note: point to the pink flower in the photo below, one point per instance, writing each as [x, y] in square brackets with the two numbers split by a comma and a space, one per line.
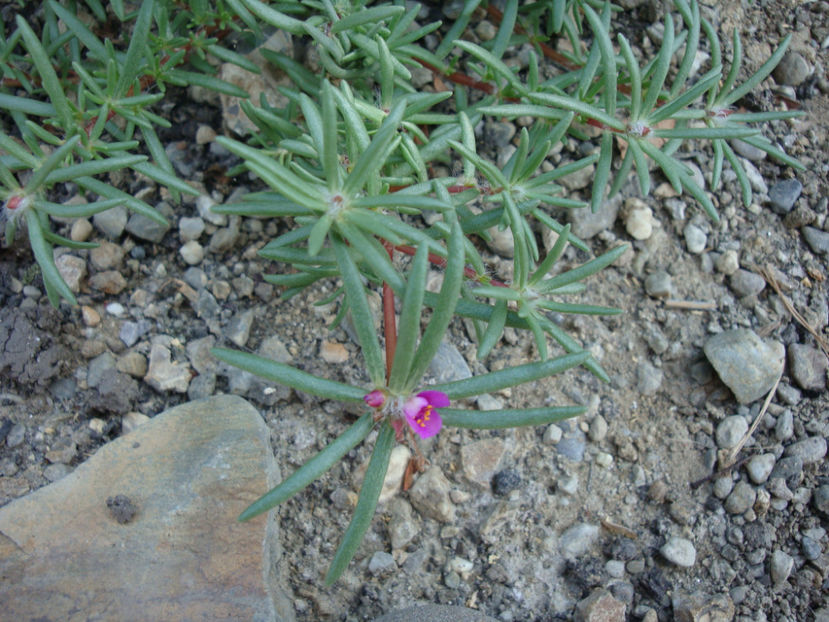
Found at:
[421, 414]
[375, 399]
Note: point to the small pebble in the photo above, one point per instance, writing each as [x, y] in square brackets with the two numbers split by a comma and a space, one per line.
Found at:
[817, 240]
[759, 467]
[639, 223]
[809, 451]
[730, 431]
[780, 567]
[746, 283]
[332, 352]
[680, 552]
[792, 70]
[598, 429]
[81, 230]
[783, 194]
[552, 434]
[695, 239]
[504, 482]
[808, 367]
[658, 284]
[190, 228]
[741, 498]
[381, 563]
[192, 252]
[728, 263]
[784, 427]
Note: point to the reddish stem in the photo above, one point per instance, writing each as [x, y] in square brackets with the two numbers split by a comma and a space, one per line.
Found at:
[389, 321]
[440, 262]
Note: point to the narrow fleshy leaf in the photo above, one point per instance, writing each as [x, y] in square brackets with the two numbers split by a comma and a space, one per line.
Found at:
[507, 418]
[289, 376]
[366, 504]
[312, 469]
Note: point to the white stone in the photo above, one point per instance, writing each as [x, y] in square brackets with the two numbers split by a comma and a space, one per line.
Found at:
[192, 252]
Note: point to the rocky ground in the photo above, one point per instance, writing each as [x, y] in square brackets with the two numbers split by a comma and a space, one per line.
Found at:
[659, 502]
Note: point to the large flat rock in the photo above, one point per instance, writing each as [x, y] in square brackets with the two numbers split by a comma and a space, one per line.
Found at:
[167, 546]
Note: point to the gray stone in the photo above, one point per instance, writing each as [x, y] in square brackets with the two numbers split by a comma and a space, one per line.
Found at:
[133, 364]
[749, 152]
[579, 179]
[190, 228]
[789, 468]
[381, 563]
[130, 332]
[16, 435]
[402, 527]
[817, 240]
[598, 429]
[784, 427]
[679, 551]
[728, 263]
[204, 203]
[658, 284]
[106, 256]
[810, 547]
[746, 364]
[500, 133]
[163, 374]
[810, 450]
[655, 338]
[730, 431]
[111, 222]
[202, 386]
[648, 378]
[780, 567]
[746, 283]
[740, 499]
[186, 473]
[586, 224]
[572, 445]
[238, 329]
[783, 194]
[97, 367]
[759, 467]
[436, 613]
[117, 392]
[578, 540]
[142, 227]
[430, 496]
[820, 498]
[695, 238]
[808, 367]
[448, 364]
[723, 486]
[792, 70]
[755, 178]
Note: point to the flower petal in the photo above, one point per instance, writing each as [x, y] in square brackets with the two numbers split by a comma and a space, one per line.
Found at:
[426, 423]
[414, 405]
[438, 399]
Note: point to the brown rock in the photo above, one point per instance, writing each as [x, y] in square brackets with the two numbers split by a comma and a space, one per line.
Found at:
[600, 606]
[148, 524]
[480, 460]
[699, 607]
[109, 282]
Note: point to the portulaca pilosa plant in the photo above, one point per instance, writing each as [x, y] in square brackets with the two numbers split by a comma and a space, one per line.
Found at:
[349, 168]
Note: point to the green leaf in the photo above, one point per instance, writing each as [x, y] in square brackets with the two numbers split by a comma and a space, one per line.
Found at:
[84, 35]
[510, 376]
[758, 75]
[409, 324]
[579, 107]
[371, 159]
[56, 287]
[275, 18]
[583, 271]
[493, 331]
[229, 56]
[366, 504]
[48, 77]
[93, 167]
[602, 172]
[211, 83]
[361, 317]
[602, 38]
[289, 376]
[374, 15]
[663, 63]
[508, 418]
[13, 103]
[57, 158]
[312, 469]
[442, 315]
[139, 37]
